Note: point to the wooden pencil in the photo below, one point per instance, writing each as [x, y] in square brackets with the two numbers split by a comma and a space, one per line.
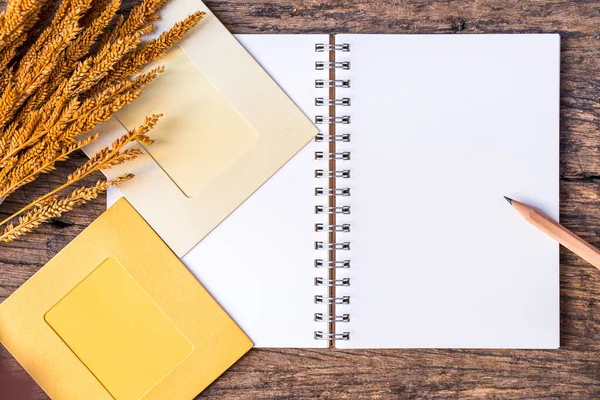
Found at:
[558, 232]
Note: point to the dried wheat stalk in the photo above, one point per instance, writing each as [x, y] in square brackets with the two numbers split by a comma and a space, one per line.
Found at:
[54, 207]
[61, 80]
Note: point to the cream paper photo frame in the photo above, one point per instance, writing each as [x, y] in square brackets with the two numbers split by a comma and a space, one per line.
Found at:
[227, 128]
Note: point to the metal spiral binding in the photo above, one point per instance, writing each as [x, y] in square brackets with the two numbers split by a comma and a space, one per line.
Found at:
[343, 155]
[330, 208]
[332, 282]
[332, 336]
[319, 317]
[321, 101]
[335, 83]
[320, 263]
[332, 138]
[319, 119]
[332, 300]
[332, 228]
[332, 192]
[322, 47]
[332, 246]
[320, 65]
[320, 173]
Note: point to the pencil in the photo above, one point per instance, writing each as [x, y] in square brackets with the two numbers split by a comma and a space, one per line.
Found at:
[558, 232]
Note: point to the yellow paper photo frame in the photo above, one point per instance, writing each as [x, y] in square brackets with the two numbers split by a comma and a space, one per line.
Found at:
[116, 315]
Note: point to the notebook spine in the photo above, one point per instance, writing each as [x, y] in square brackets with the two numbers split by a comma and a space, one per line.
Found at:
[331, 192]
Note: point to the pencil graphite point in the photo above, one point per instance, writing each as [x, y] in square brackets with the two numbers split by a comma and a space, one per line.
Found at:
[508, 199]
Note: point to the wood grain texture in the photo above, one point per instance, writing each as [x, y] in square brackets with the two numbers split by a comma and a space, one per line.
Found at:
[573, 372]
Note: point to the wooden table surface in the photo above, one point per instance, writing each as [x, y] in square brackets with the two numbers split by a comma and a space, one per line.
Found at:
[573, 372]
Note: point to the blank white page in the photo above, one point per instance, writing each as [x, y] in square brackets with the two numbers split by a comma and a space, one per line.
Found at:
[443, 126]
[259, 263]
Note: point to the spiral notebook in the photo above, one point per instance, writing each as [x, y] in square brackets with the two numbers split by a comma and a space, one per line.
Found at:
[390, 229]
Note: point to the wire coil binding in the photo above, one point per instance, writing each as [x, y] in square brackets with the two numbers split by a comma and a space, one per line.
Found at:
[332, 138]
[332, 228]
[332, 282]
[320, 317]
[336, 83]
[332, 246]
[332, 300]
[320, 263]
[322, 47]
[332, 336]
[321, 101]
[332, 192]
[330, 208]
[319, 119]
[320, 173]
[321, 65]
[342, 155]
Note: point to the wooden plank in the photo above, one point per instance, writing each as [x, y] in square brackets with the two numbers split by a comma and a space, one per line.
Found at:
[571, 372]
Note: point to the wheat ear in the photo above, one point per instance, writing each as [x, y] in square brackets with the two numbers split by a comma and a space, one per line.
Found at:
[104, 159]
[54, 207]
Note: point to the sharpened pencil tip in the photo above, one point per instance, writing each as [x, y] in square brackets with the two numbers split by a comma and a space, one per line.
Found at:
[508, 199]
